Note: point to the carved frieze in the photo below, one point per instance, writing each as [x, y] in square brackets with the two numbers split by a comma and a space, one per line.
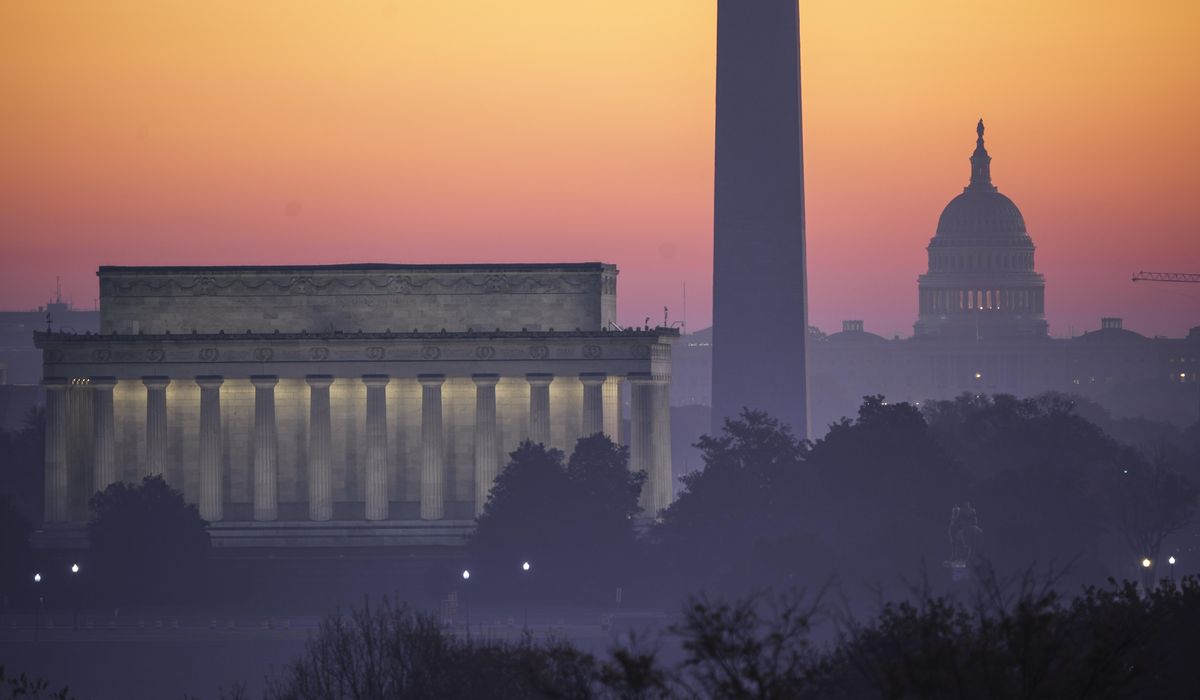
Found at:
[304, 285]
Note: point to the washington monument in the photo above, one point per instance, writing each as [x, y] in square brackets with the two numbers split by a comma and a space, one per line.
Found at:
[759, 282]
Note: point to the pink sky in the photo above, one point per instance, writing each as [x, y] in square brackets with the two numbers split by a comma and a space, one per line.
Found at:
[293, 132]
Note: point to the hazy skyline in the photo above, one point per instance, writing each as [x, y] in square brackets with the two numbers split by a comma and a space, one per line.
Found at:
[272, 132]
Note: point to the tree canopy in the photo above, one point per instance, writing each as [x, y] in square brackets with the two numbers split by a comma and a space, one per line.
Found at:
[574, 522]
[147, 543]
[871, 501]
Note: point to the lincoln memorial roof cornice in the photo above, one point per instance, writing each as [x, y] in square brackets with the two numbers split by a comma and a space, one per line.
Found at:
[298, 354]
[663, 334]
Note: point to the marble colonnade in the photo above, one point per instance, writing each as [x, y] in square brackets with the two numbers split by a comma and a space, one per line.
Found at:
[649, 439]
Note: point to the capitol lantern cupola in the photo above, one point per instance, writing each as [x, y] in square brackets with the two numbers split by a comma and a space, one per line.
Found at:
[981, 281]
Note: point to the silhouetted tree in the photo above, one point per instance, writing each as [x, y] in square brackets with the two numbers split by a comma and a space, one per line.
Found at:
[870, 499]
[22, 464]
[1051, 485]
[742, 517]
[1027, 641]
[1149, 503]
[15, 553]
[391, 651]
[147, 543]
[1038, 471]
[1109, 642]
[574, 523]
[22, 687]
[754, 647]
[886, 487]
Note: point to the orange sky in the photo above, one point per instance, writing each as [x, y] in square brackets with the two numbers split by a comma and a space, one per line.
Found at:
[305, 131]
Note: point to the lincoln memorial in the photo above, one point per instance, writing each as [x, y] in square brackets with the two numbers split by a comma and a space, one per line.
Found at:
[345, 403]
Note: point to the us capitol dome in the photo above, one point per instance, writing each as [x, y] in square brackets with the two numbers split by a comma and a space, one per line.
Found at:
[981, 281]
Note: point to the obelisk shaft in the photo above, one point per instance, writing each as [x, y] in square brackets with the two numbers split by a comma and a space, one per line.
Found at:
[759, 274]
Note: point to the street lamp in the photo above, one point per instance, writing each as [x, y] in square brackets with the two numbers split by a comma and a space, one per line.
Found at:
[37, 613]
[1171, 561]
[75, 595]
[466, 576]
[525, 569]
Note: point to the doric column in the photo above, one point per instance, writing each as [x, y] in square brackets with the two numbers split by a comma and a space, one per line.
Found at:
[433, 465]
[57, 494]
[650, 439]
[104, 468]
[487, 454]
[266, 449]
[377, 446]
[156, 424]
[641, 405]
[612, 409]
[593, 402]
[661, 477]
[539, 407]
[212, 499]
[320, 435]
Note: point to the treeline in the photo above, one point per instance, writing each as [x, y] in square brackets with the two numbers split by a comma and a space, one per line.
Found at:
[1028, 642]
[869, 504]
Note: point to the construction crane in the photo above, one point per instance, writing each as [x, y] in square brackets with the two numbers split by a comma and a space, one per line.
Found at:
[1190, 277]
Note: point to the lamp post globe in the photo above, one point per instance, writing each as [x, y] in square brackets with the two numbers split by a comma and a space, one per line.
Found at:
[525, 566]
[1146, 563]
[466, 574]
[1171, 560]
[37, 578]
[75, 568]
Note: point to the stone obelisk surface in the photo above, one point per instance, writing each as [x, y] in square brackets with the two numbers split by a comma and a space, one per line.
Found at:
[759, 277]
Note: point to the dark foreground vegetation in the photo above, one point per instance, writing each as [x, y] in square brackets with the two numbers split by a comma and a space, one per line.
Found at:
[1022, 641]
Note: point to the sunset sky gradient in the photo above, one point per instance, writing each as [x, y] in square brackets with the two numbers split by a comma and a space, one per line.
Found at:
[298, 131]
